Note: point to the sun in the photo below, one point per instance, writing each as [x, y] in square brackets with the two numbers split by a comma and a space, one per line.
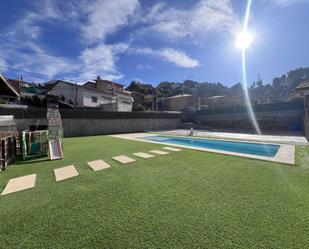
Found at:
[243, 40]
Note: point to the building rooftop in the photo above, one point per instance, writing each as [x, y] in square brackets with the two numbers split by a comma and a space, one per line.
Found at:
[15, 84]
[14, 88]
[303, 85]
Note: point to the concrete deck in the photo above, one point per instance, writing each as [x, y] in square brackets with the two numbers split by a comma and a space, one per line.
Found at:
[285, 154]
[19, 184]
[294, 140]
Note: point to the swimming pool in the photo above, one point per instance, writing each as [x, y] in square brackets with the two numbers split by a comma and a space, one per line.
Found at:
[265, 150]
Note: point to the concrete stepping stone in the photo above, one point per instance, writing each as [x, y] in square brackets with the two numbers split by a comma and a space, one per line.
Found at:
[171, 149]
[98, 165]
[65, 173]
[19, 184]
[124, 159]
[143, 155]
[159, 152]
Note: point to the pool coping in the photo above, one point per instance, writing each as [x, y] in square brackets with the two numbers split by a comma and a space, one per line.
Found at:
[285, 154]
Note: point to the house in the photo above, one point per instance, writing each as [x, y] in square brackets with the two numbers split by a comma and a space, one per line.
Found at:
[124, 98]
[9, 91]
[142, 101]
[302, 89]
[109, 96]
[179, 102]
[221, 102]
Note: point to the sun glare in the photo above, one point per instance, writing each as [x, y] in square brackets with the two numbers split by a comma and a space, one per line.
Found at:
[243, 40]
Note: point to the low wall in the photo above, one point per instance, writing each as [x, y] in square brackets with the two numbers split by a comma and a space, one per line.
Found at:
[94, 122]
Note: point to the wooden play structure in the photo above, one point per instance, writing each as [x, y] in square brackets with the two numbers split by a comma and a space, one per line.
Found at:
[55, 131]
[34, 143]
[45, 142]
[31, 143]
[9, 141]
[9, 148]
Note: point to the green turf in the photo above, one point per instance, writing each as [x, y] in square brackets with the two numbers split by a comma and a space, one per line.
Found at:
[186, 199]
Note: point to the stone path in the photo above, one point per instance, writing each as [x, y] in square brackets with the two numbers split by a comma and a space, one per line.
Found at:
[124, 159]
[98, 165]
[171, 149]
[65, 173]
[19, 184]
[159, 152]
[143, 155]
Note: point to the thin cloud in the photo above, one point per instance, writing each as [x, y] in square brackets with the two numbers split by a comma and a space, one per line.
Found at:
[173, 56]
[286, 3]
[101, 60]
[105, 18]
[94, 21]
[204, 17]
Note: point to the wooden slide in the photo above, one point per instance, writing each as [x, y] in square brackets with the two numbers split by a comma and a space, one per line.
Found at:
[55, 149]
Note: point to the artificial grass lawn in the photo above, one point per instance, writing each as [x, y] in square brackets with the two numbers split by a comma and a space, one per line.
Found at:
[187, 199]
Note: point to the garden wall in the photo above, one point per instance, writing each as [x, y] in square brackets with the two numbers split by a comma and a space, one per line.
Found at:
[85, 122]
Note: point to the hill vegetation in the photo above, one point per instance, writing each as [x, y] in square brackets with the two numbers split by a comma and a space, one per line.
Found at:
[281, 89]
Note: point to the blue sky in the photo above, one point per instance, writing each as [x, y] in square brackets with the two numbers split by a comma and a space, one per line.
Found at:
[150, 41]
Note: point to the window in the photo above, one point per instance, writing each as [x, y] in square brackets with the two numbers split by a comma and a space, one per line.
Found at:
[94, 99]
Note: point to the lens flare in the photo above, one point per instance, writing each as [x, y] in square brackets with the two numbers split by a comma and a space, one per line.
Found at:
[244, 39]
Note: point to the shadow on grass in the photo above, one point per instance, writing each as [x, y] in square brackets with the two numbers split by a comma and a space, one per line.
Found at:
[32, 161]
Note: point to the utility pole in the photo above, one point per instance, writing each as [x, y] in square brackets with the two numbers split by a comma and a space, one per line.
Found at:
[75, 95]
[153, 99]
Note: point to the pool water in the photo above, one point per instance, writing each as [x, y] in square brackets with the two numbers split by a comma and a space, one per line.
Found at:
[267, 150]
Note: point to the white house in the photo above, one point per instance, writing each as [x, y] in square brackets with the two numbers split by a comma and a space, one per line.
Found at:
[124, 98]
[89, 95]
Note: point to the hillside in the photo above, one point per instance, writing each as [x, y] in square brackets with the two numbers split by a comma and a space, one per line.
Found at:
[279, 90]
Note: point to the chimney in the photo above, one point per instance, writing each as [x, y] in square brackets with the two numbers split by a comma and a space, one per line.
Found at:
[96, 81]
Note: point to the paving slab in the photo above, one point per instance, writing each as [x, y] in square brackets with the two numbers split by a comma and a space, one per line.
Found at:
[171, 149]
[98, 165]
[143, 155]
[159, 152]
[124, 159]
[19, 184]
[65, 173]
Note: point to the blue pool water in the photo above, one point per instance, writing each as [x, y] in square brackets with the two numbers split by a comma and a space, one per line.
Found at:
[267, 150]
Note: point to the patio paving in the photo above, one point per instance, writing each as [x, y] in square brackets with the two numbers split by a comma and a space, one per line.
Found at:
[124, 159]
[143, 155]
[65, 173]
[171, 149]
[159, 152]
[98, 165]
[19, 184]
